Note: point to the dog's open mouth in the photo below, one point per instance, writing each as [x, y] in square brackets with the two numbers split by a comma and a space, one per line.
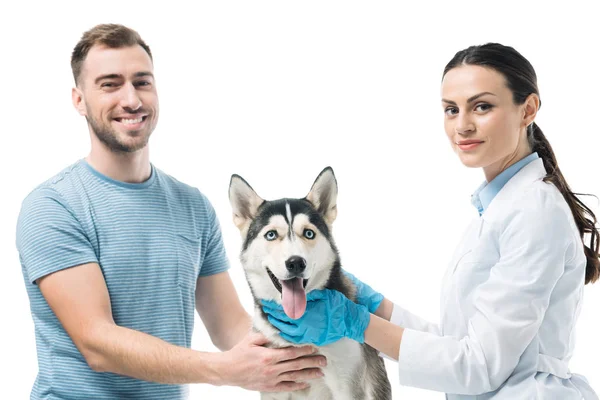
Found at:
[293, 295]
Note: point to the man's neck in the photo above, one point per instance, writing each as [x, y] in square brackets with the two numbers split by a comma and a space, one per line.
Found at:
[124, 167]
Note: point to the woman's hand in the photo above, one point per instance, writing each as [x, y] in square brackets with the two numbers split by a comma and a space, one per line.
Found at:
[365, 294]
[329, 317]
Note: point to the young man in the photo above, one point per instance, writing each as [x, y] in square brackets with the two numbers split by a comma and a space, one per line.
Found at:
[115, 254]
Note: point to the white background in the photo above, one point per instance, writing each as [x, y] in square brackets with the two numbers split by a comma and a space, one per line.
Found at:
[276, 91]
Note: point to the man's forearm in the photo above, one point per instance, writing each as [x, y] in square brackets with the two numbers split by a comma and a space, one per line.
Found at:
[124, 351]
[237, 333]
[232, 329]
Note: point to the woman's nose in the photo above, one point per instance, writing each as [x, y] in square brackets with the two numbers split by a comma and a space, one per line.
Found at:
[464, 125]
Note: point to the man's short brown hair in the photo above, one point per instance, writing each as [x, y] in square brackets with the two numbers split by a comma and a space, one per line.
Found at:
[110, 35]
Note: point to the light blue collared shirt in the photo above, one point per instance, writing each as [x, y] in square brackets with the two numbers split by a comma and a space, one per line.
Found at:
[485, 193]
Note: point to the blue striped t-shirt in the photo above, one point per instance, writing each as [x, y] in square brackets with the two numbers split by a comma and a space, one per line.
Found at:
[152, 240]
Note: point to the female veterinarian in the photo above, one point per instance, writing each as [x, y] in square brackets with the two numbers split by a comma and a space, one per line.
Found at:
[512, 293]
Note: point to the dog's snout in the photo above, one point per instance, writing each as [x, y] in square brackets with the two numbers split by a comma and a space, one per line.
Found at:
[295, 264]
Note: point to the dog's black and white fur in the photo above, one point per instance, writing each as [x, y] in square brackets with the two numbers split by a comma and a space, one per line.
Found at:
[290, 240]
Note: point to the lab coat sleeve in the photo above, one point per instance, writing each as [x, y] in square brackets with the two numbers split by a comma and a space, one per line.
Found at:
[406, 319]
[535, 243]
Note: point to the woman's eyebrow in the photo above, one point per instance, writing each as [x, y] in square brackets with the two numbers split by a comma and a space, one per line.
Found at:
[470, 99]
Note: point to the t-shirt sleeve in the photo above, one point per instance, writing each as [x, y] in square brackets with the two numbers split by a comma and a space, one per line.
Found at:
[215, 258]
[49, 236]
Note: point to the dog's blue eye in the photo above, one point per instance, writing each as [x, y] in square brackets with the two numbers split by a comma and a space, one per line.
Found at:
[271, 235]
[309, 234]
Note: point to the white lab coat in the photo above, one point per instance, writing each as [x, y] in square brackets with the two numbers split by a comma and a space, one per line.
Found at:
[510, 300]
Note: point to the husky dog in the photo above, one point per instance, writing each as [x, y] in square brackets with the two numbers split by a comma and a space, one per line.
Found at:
[288, 250]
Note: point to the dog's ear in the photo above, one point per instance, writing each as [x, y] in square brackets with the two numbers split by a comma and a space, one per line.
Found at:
[244, 202]
[323, 195]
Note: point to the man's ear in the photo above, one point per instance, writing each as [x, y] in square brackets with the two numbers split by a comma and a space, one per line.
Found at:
[78, 101]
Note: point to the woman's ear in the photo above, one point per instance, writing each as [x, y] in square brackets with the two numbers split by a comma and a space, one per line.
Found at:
[530, 108]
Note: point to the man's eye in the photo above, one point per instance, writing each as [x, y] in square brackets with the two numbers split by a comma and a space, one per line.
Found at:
[142, 83]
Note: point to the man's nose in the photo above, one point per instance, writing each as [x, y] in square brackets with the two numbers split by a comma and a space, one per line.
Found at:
[130, 99]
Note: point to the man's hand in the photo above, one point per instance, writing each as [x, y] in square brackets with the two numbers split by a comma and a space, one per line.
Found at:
[251, 366]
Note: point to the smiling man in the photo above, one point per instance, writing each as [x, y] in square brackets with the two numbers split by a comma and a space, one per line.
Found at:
[115, 255]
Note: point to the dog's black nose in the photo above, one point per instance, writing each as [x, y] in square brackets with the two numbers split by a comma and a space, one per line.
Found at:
[295, 264]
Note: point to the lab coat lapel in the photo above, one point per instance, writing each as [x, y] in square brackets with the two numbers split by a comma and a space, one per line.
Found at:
[500, 204]
[522, 180]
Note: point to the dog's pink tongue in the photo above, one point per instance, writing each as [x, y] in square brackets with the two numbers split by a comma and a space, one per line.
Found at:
[293, 298]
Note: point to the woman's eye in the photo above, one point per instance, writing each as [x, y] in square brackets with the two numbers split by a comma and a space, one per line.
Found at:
[451, 111]
[309, 234]
[271, 235]
[483, 107]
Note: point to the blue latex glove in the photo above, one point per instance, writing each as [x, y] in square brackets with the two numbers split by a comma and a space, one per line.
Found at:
[365, 295]
[329, 317]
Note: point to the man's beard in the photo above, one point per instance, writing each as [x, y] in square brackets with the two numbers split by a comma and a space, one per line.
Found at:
[109, 137]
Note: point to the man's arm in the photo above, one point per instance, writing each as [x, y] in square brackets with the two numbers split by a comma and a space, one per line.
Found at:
[222, 313]
[79, 298]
